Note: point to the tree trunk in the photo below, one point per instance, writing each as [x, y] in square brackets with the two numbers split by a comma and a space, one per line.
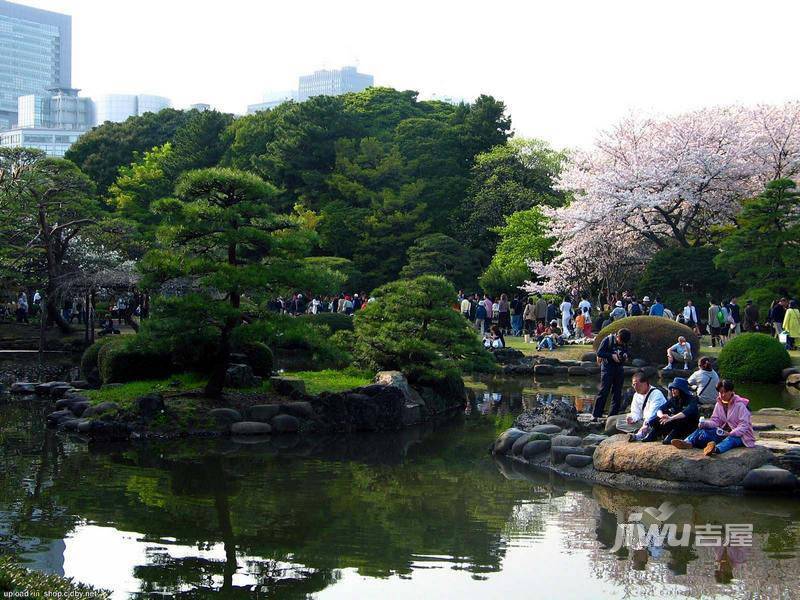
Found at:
[54, 315]
[217, 380]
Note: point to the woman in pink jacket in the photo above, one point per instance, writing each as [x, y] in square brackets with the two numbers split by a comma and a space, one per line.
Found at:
[729, 425]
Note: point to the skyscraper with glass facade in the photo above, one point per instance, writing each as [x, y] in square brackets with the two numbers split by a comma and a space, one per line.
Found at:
[35, 55]
[333, 83]
[118, 107]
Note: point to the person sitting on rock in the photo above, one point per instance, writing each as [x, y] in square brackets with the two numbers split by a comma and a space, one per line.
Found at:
[682, 352]
[494, 339]
[729, 426]
[644, 405]
[705, 381]
[678, 417]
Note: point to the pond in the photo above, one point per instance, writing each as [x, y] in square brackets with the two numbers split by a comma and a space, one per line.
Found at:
[417, 514]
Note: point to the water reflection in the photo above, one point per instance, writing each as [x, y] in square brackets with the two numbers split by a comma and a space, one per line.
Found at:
[414, 514]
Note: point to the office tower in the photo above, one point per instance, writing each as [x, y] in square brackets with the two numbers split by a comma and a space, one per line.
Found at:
[333, 83]
[61, 109]
[118, 107]
[35, 55]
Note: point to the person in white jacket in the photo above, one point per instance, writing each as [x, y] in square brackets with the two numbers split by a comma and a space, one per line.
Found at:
[644, 406]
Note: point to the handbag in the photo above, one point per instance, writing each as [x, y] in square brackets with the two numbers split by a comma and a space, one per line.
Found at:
[783, 337]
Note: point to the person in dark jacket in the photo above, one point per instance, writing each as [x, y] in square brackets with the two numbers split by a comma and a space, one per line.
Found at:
[678, 417]
[612, 354]
[750, 322]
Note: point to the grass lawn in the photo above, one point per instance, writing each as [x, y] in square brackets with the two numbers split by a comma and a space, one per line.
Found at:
[569, 352]
[331, 380]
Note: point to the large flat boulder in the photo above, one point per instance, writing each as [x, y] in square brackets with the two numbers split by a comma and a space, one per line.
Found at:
[657, 461]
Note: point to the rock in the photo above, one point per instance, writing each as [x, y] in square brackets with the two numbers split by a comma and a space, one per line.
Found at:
[74, 397]
[790, 460]
[770, 478]
[239, 376]
[547, 428]
[535, 447]
[69, 424]
[589, 357]
[99, 409]
[793, 440]
[611, 424]
[225, 415]
[301, 410]
[577, 371]
[560, 370]
[84, 425]
[519, 444]
[589, 450]
[587, 364]
[566, 440]
[543, 370]
[58, 391]
[250, 428]
[559, 453]
[594, 439]
[263, 412]
[507, 356]
[629, 371]
[60, 415]
[285, 424]
[789, 371]
[763, 426]
[793, 380]
[639, 363]
[81, 384]
[506, 440]
[650, 372]
[79, 408]
[398, 380]
[64, 403]
[150, 405]
[287, 385]
[19, 387]
[578, 461]
[616, 455]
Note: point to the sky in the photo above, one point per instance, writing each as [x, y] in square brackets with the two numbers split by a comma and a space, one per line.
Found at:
[565, 68]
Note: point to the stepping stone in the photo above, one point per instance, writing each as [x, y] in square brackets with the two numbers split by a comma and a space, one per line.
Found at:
[594, 438]
[777, 446]
[567, 440]
[225, 415]
[778, 434]
[559, 453]
[263, 412]
[285, 424]
[763, 426]
[770, 478]
[250, 428]
[794, 440]
[547, 428]
[505, 442]
[535, 447]
[578, 460]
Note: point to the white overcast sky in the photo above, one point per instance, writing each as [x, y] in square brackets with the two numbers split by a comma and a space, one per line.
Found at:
[565, 68]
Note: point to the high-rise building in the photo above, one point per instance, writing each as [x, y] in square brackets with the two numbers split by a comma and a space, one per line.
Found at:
[61, 109]
[271, 100]
[35, 55]
[333, 83]
[118, 107]
[53, 142]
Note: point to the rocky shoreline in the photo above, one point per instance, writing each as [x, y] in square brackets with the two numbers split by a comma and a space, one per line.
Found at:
[389, 404]
[549, 437]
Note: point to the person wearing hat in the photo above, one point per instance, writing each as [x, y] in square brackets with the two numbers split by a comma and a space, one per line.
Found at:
[729, 426]
[618, 312]
[750, 321]
[678, 417]
[612, 355]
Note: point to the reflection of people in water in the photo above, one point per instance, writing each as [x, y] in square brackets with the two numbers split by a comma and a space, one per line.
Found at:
[728, 557]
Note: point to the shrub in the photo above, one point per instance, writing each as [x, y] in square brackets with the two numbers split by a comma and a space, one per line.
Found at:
[334, 321]
[89, 358]
[651, 336]
[753, 357]
[132, 360]
[412, 328]
[260, 358]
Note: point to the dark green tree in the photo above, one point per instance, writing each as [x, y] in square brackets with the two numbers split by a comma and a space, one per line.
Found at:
[412, 327]
[222, 233]
[763, 250]
[680, 274]
[199, 143]
[439, 254]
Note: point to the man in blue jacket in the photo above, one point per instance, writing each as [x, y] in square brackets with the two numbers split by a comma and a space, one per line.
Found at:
[612, 355]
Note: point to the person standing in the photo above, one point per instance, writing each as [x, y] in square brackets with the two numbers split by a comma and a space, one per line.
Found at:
[612, 354]
[516, 315]
[716, 322]
[735, 317]
[618, 312]
[791, 324]
[529, 320]
[504, 314]
[551, 313]
[480, 318]
[566, 316]
[776, 315]
[22, 308]
[584, 303]
[465, 307]
[750, 321]
[541, 310]
[690, 317]
[657, 310]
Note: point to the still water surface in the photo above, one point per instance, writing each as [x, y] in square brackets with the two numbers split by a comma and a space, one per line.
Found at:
[418, 514]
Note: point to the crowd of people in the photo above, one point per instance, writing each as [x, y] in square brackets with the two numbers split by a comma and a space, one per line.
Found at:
[300, 304]
[673, 416]
[550, 324]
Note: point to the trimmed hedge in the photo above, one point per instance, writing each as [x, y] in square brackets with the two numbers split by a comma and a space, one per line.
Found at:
[132, 361]
[335, 321]
[89, 358]
[260, 358]
[753, 357]
[651, 336]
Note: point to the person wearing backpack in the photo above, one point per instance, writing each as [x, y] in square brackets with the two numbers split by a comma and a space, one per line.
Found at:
[716, 323]
[635, 309]
[644, 405]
